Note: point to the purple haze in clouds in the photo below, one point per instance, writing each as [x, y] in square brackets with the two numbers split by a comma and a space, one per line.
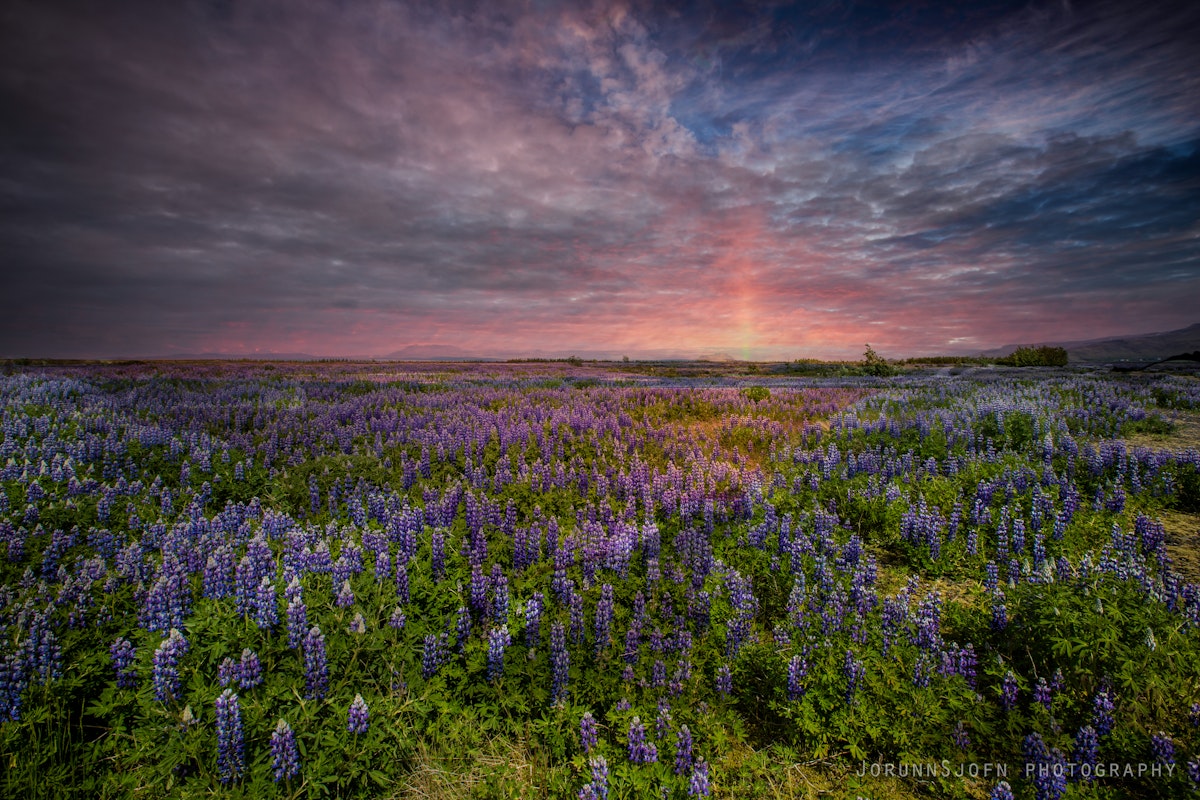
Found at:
[767, 181]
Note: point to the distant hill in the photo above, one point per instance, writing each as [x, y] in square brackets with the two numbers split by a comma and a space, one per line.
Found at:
[1143, 347]
[429, 352]
[268, 356]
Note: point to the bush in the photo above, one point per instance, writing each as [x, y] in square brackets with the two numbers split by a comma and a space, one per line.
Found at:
[1037, 357]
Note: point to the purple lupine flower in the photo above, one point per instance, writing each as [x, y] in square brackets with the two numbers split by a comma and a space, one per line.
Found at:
[316, 667]
[123, 654]
[397, 620]
[433, 654]
[498, 639]
[266, 604]
[462, 629]
[437, 553]
[587, 732]
[683, 750]
[285, 757]
[250, 672]
[961, 740]
[999, 611]
[854, 669]
[1194, 715]
[230, 745]
[1193, 773]
[358, 624]
[345, 596]
[1001, 791]
[402, 593]
[1102, 713]
[604, 617]
[1087, 747]
[662, 724]
[1042, 694]
[1008, 691]
[166, 666]
[1047, 766]
[598, 787]
[797, 670]
[1163, 748]
[560, 661]
[297, 622]
[698, 786]
[724, 680]
[640, 751]
[358, 717]
[228, 671]
[533, 620]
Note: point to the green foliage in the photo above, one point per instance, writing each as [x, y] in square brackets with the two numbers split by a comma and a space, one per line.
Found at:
[1044, 356]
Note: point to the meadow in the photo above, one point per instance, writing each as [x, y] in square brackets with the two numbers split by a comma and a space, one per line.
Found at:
[596, 581]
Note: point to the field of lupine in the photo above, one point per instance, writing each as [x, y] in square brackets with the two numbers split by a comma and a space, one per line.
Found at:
[359, 580]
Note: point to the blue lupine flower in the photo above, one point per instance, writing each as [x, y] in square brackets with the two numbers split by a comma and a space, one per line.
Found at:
[230, 746]
[316, 667]
[587, 732]
[359, 716]
[284, 754]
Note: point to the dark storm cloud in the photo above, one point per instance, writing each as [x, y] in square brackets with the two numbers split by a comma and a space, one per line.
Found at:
[766, 179]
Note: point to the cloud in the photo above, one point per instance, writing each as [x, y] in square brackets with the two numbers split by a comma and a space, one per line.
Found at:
[768, 179]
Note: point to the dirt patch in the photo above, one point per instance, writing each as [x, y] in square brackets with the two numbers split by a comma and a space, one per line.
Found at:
[1185, 434]
[1183, 542]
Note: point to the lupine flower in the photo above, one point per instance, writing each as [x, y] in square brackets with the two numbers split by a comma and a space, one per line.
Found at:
[498, 639]
[1041, 693]
[166, 666]
[961, 740]
[250, 673]
[397, 620]
[598, 787]
[1087, 747]
[1047, 766]
[1008, 693]
[123, 655]
[853, 669]
[1001, 791]
[797, 670]
[604, 616]
[433, 654]
[587, 732]
[1102, 713]
[228, 671]
[560, 662]
[297, 622]
[284, 754]
[533, 620]
[359, 716]
[1163, 748]
[358, 624]
[698, 785]
[1193, 773]
[230, 759]
[345, 597]
[724, 679]
[316, 668]
[640, 751]
[683, 750]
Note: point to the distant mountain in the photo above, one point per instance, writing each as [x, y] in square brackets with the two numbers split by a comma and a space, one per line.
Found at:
[430, 352]
[1143, 347]
[267, 356]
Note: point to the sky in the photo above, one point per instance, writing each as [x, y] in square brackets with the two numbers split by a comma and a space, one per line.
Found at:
[769, 180]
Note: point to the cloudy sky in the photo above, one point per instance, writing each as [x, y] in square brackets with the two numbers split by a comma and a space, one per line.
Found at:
[773, 180]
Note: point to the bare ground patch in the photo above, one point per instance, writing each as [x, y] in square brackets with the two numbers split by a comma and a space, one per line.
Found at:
[1185, 434]
[1183, 542]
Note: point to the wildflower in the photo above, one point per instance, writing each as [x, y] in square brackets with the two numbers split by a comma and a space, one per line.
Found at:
[285, 756]
[359, 716]
[230, 759]
[316, 667]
